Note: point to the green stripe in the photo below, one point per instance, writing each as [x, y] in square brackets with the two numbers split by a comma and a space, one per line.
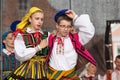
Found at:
[50, 71]
[7, 63]
[72, 74]
[57, 74]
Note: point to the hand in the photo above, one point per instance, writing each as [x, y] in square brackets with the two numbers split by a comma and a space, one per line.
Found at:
[43, 43]
[54, 32]
[73, 30]
[70, 13]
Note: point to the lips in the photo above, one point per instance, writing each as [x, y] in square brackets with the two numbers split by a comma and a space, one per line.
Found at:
[38, 25]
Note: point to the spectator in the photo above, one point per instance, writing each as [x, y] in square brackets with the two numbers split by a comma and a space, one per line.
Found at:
[89, 73]
[116, 72]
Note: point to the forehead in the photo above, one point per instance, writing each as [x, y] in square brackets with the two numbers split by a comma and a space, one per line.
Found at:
[65, 22]
[9, 35]
[91, 65]
[117, 59]
[38, 13]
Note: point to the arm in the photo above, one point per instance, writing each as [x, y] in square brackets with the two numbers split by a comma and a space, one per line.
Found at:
[85, 26]
[23, 53]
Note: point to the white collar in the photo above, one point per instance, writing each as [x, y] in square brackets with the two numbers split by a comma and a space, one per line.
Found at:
[29, 30]
[89, 75]
[7, 52]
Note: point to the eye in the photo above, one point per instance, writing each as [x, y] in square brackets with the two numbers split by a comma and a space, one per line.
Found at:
[42, 19]
[37, 18]
[69, 26]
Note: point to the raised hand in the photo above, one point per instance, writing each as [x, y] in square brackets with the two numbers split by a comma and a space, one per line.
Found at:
[70, 13]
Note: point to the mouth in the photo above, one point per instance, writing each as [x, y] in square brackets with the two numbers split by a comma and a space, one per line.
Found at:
[38, 25]
[65, 32]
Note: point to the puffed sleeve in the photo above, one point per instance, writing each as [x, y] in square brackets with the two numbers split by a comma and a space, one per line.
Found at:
[85, 26]
[22, 53]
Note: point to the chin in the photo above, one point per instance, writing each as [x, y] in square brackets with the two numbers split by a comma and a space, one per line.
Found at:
[64, 35]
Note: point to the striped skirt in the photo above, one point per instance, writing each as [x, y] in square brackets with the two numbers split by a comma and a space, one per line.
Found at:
[33, 69]
[62, 75]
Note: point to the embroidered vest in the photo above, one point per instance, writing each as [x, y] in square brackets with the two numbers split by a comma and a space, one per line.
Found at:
[77, 46]
[33, 39]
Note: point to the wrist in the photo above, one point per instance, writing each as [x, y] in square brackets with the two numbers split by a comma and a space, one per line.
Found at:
[38, 46]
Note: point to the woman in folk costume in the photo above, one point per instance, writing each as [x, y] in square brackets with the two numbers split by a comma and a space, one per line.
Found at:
[65, 46]
[9, 62]
[31, 47]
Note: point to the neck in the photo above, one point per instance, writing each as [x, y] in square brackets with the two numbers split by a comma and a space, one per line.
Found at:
[9, 49]
[90, 74]
[35, 30]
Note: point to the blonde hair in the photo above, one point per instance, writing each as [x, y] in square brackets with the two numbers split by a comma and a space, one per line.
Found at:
[25, 20]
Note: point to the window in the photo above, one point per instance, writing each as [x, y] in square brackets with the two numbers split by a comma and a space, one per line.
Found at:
[23, 4]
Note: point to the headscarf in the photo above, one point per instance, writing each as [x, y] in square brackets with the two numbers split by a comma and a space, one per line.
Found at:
[4, 37]
[25, 21]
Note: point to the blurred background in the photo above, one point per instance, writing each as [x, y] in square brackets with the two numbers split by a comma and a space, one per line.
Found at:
[103, 14]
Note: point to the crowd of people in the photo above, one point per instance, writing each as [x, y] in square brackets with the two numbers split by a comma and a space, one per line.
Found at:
[29, 53]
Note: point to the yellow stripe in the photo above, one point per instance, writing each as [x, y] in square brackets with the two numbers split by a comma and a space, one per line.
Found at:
[63, 74]
[18, 68]
[53, 75]
[60, 76]
[33, 71]
[38, 72]
[43, 70]
[69, 71]
[55, 72]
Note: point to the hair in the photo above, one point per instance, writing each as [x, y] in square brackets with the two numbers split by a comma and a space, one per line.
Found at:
[64, 17]
[117, 57]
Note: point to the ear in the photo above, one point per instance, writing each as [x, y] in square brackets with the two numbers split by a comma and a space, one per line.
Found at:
[4, 41]
[57, 26]
[30, 19]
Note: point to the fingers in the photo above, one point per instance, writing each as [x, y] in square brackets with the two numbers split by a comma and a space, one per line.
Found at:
[70, 13]
[54, 32]
[73, 30]
[43, 43]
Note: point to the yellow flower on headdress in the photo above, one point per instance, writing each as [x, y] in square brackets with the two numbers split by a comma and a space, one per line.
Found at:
[25, 20]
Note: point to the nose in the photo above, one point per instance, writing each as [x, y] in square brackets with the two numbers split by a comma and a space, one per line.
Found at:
[65, 28]
[13, 38]
[39, 21]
